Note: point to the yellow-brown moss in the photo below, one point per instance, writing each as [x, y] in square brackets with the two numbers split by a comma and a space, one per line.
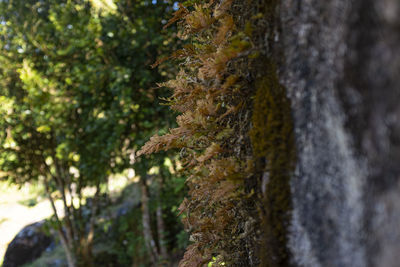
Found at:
[273, 145]
[213, 92]
[209, 93]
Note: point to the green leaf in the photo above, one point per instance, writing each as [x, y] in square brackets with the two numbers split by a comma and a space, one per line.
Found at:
[43, 129]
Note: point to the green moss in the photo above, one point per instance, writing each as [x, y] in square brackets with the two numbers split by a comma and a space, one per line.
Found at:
[273, 145]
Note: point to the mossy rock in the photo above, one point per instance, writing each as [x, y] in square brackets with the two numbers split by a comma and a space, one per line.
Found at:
[273, 146]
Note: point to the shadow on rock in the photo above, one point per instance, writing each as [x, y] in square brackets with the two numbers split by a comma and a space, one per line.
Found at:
[27, 245]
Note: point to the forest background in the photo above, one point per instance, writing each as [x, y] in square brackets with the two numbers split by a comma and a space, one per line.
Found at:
[78, 98]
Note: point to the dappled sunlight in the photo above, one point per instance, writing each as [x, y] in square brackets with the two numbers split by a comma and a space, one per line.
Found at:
[18, 208]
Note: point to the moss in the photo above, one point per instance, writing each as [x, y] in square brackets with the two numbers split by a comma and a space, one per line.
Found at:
[273, 146]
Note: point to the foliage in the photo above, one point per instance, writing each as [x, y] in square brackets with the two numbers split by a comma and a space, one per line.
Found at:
[121, 231]
[76, 94]
[68, 74]
[207, 91]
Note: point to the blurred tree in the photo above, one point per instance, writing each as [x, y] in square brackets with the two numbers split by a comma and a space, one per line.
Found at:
[77, 99]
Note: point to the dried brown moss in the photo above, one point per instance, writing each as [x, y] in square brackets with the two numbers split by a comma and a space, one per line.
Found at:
[225, 65]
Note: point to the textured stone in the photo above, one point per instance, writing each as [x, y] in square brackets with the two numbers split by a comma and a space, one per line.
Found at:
[27, 246]
[341, 69]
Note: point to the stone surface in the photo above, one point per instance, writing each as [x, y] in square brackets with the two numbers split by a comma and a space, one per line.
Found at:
[27, 246]
[341, 68]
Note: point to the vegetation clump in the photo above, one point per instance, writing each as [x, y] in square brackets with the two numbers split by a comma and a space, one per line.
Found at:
[234, 189]
[76, 102]
[207, 93]
[76, 110]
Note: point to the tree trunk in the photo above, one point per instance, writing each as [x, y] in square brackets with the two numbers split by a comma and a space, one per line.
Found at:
[68, 249]
[339, 61]
[71, 259]
[160, 223]
[147, 233]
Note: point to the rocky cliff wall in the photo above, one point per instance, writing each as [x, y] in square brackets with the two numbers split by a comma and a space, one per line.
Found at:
[341, 70]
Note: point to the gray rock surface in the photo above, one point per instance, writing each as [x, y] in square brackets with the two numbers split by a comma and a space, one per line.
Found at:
[27, 246]
[341, 68]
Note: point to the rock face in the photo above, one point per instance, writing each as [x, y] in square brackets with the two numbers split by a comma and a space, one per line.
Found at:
[27, 246]
[341, 69]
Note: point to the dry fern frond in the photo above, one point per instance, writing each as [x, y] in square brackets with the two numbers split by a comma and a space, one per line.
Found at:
[193, 257]
[183, 206]
[230, 110]
[229, 82]
[222, 169]
[224, 30]
[199, 19]
[225, 190]
[207, 107]
[175, 139]
[186, 51]
[179, 14]
[210, 152]
[222, 8]
[210, 69]
[184, 119]
[204, 92]
[214, 65]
